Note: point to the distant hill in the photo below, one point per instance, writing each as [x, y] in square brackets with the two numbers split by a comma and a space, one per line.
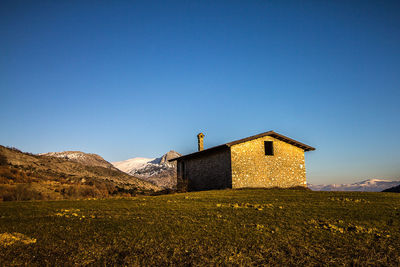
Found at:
[371, 185]
[58, 177]
[81, 157]
[395, 189]
[155, 170]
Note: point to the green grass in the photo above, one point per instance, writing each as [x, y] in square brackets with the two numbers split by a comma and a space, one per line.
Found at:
[228, 227]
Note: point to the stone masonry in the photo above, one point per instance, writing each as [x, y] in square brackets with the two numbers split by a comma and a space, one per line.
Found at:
[252, 168]
[206, 172]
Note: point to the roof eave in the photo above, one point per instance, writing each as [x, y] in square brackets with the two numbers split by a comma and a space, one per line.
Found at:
[292, 141]
[275, 135]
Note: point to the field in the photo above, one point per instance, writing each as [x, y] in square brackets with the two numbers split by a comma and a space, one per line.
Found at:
[227, 227]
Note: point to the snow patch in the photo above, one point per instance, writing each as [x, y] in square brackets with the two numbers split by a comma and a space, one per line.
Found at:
[130, 165]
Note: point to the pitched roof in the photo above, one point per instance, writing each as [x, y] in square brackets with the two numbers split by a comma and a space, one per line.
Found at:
[227, 145]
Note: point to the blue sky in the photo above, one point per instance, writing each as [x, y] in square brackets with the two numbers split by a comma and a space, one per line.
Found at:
[129, 78]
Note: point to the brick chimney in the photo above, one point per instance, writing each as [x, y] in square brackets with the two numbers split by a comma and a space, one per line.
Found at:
[200, 145]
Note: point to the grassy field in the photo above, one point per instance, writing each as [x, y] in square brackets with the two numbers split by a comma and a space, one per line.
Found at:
[228, 227]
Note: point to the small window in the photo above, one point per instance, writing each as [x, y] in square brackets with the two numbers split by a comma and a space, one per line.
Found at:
[269, 148]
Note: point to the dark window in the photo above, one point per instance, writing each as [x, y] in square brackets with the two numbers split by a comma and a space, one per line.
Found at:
[269, 148]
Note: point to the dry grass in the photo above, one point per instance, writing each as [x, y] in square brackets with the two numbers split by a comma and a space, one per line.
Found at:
[7, 239]
[227, 227]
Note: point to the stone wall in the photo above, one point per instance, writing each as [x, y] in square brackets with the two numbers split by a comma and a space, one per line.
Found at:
[206, 172]
[252, 168]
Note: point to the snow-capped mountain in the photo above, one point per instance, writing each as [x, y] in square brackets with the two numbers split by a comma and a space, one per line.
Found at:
[156, 170]
[371, 185]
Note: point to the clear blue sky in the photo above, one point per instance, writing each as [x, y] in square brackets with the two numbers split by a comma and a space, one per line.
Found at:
[129, 78]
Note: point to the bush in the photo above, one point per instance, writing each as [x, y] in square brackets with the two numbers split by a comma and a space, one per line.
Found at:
[9, 174]
[98, 190]
[19, 192]
[3, 160]
[14, 149]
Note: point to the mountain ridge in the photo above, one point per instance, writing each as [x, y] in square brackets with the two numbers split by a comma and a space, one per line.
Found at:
[369, 185]
[89, 159]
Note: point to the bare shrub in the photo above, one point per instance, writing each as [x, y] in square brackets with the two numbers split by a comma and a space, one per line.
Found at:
[97, 190]
[3, 160]
[14, 149]
[19, 192]
[9, 174]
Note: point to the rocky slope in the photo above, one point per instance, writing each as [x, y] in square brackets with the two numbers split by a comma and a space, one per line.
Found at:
[155, 170]
[371, 185]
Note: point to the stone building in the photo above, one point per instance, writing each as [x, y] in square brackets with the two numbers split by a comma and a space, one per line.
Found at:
[265, 160]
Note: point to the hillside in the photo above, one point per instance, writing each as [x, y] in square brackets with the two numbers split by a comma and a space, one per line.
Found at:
[209, 228]
[155, 170]
[395, 189]
[48, 177]
[371, 185]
